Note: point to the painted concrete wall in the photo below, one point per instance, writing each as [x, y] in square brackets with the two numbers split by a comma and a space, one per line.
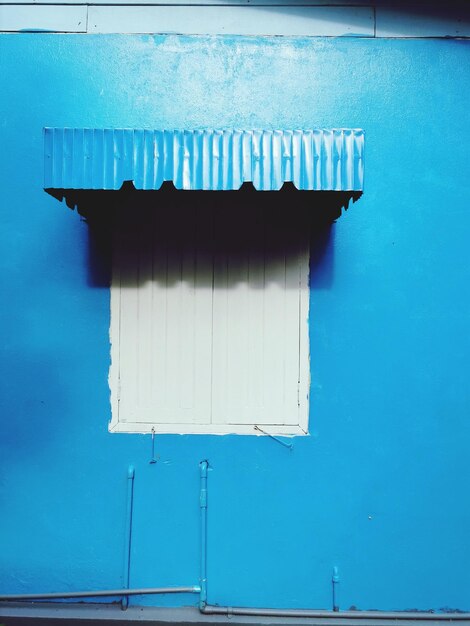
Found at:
[379, 489]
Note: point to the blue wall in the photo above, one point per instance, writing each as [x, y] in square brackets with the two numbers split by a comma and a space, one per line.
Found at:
[380, 488]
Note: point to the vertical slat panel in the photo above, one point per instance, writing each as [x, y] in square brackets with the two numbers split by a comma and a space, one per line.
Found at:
[125, 340]
[358, 160]
[220, 330]
[148, 160]
[143, 252]
[78, 165]
[97, 160]
[48, 158]
[237, 159]
[230, 339]
[108, 159]
[118, 165]
[348, 159]
[297, 159]
[266, 160]
[256, 159]
[178, 159]
[337, 155]
[256, 336]
[256, 319]
[159, 315]
[206, 160]
[197, 160]
[216, 182]
[158, 160]
[167, 155]
[185, 332]
[165, 283]
[67, 170]
[58, 158]
[287, 156]
[277, 160]
[324, 163]
[88, 158]
[308, 162]
[138, 159]
[188, 157]
[281, 321]
[128, 155]
[247, 152]
[227, 160]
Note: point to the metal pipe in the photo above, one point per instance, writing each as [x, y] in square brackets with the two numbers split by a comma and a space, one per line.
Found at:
[334, 583]
[207, 609]
[377, 615]
[127, 551]
[98, 594]
[126, 592]
[203, 541]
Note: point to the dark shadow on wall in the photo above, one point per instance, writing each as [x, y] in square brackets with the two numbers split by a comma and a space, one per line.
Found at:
[453, 15]
[234, 229]
[28, 416]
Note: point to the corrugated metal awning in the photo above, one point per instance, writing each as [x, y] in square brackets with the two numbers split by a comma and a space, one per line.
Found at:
[316, 160]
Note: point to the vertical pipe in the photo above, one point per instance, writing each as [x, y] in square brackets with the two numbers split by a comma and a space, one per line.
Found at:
[203, 543]
[335, 582]
[127, 553]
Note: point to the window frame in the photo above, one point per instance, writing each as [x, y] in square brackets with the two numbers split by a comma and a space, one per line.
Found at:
[119, 425]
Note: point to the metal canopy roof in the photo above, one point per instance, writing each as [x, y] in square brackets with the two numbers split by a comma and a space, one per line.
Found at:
[317, 160]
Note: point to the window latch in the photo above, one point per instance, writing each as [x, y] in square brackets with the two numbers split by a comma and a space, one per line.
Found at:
[283, 443]
[153, 459]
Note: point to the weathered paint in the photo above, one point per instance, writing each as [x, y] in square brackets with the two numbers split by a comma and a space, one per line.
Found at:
[239, 20]
[38, 18]
[372, 18]
[378, 489]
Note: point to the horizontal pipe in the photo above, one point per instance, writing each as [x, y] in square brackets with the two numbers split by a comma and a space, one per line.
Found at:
[98, 594]
[396, 615]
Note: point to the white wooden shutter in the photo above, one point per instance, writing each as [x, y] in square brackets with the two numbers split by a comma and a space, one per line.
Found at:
[209, 321]
[260, 309]
[162, 294]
